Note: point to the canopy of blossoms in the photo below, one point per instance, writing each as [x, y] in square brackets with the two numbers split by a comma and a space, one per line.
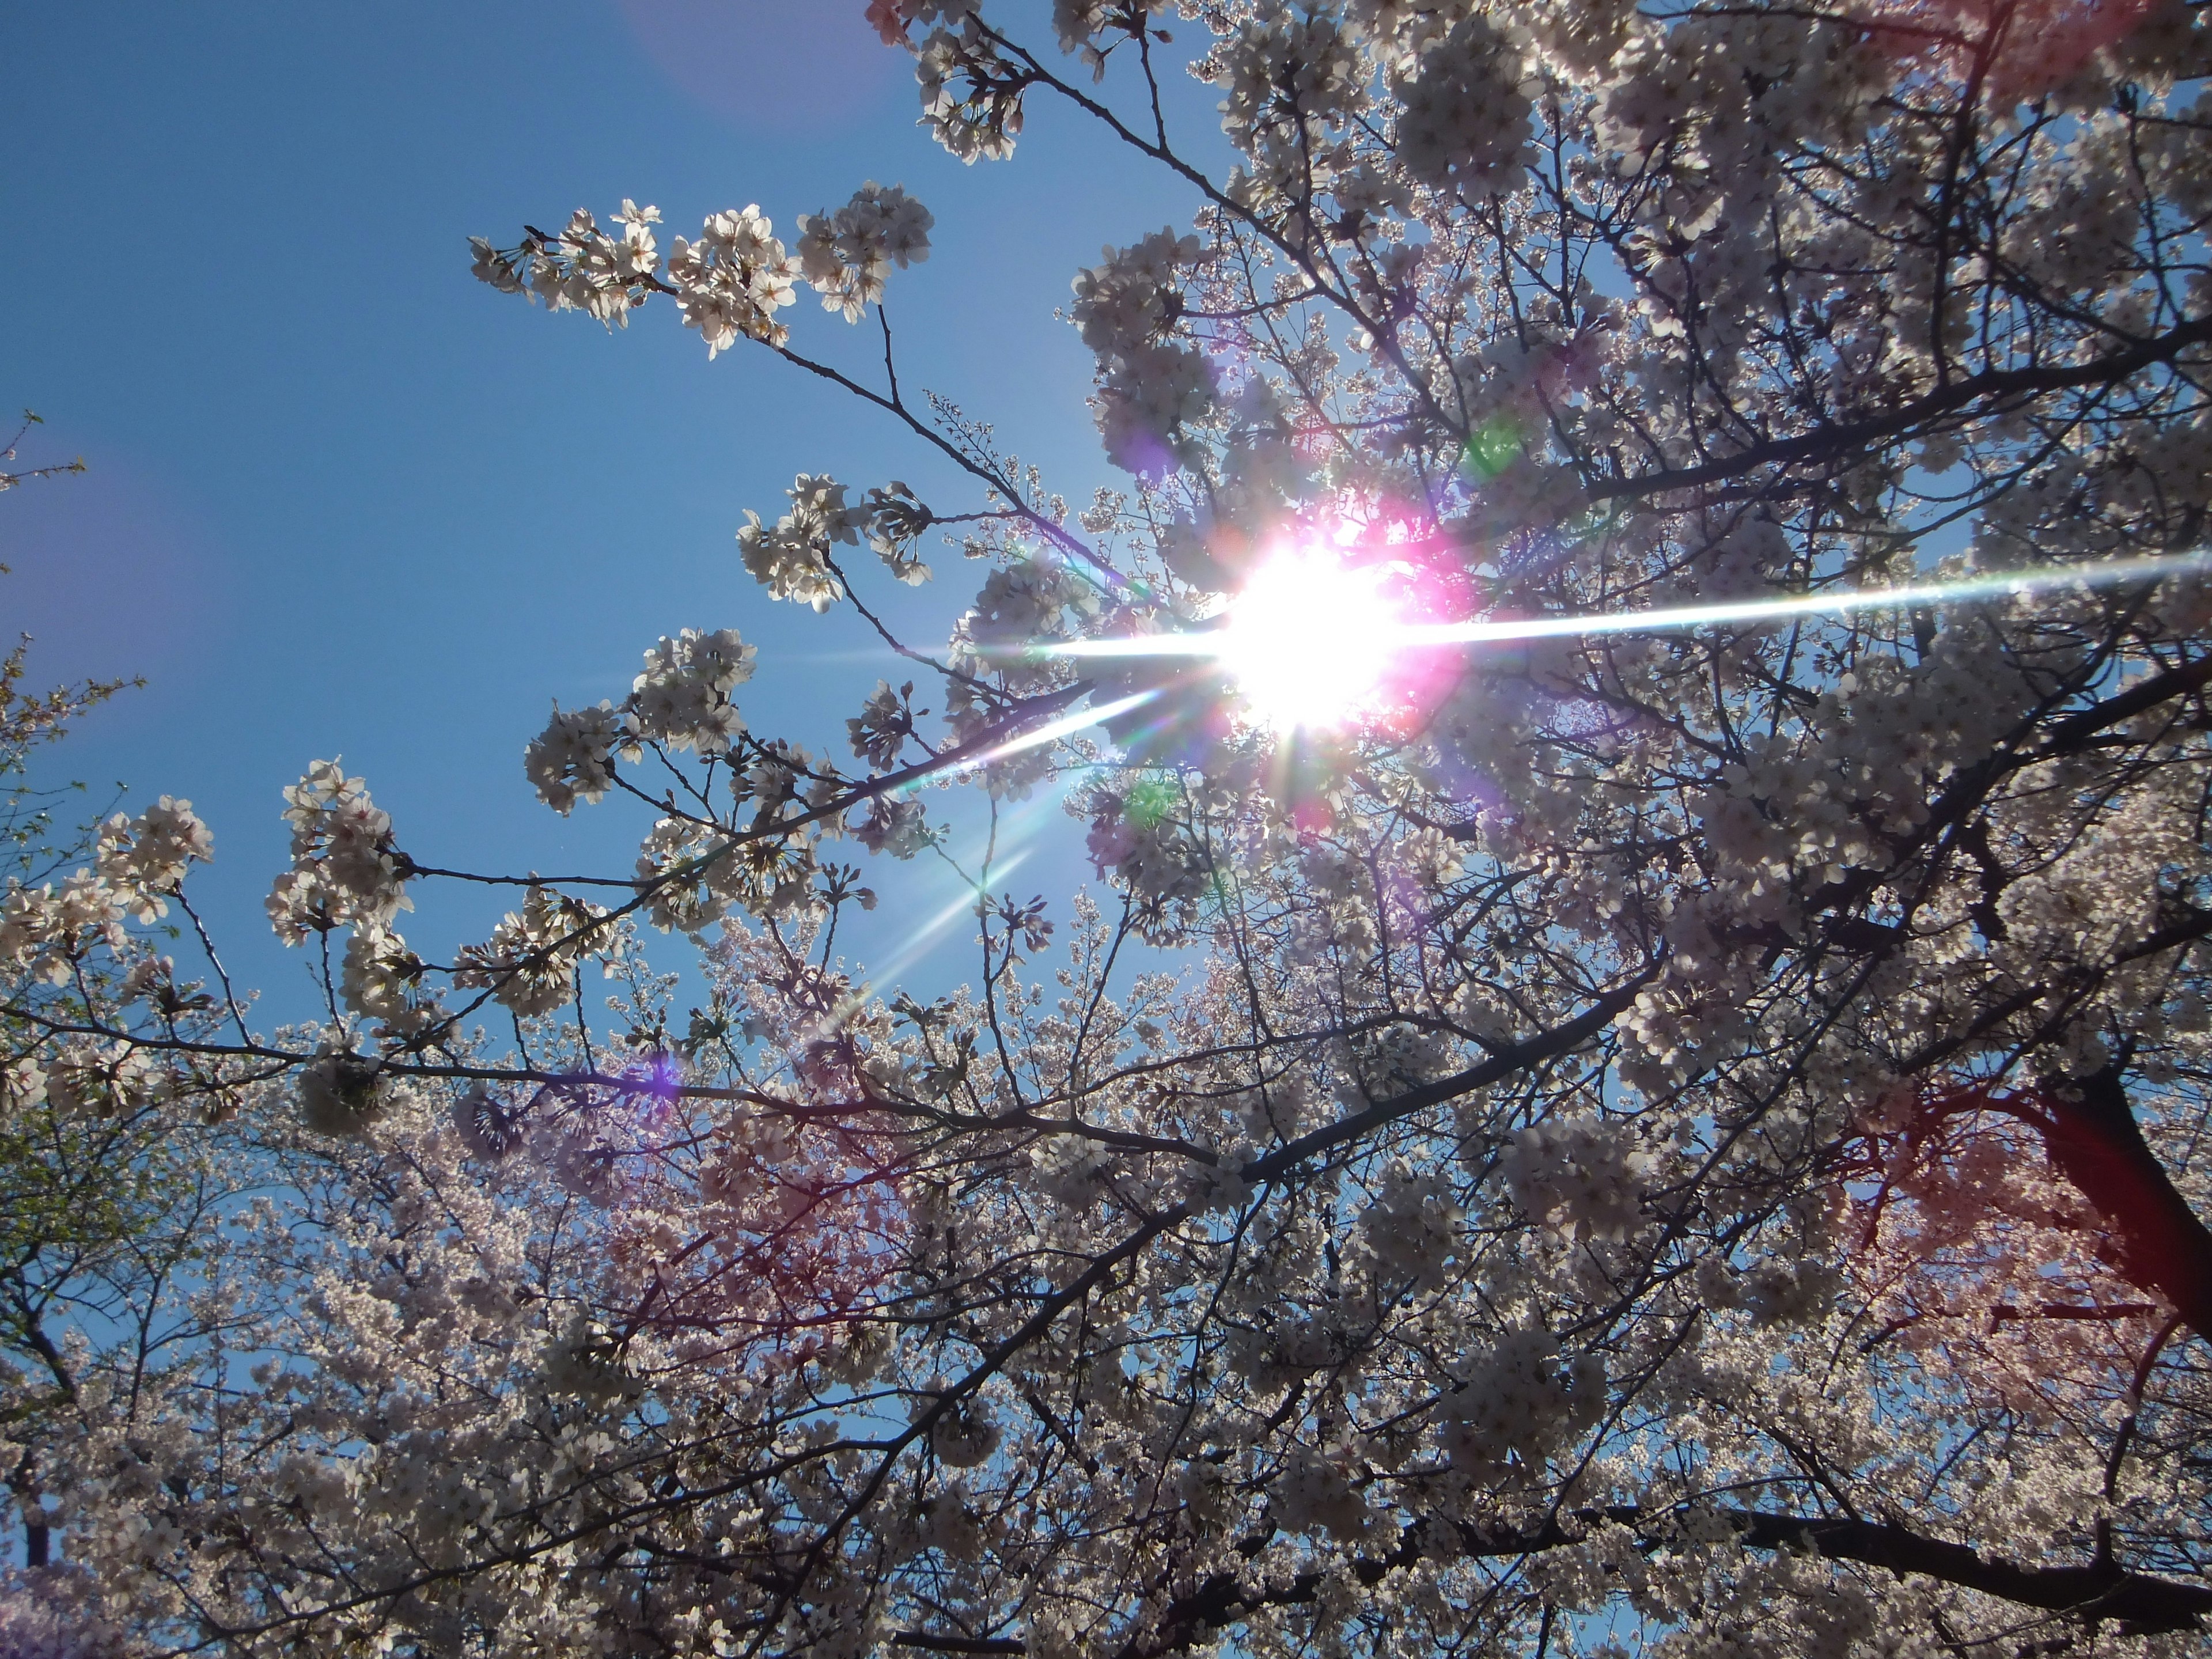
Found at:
[1634, 1079]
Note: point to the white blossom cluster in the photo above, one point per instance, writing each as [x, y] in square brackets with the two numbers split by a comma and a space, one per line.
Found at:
[734, 279]
[1316, 1493]
[683, 697]
[680, 701]
[1078, 23]
[1150, 851]
[1023, 604]
[584, 268]
[138, 863]
[846, 255]
[730, 280]
[971, 97]
[572, 759]
[383, 980]
[1583, 1177]
[529, 963]
[1412, 1229]
[1150, 386]
[900, 828]
[879, 731]
[893, 18]
[44, 1615]
[1518, 1401]
[144, 858]
[346, 870]
[792, 558]
[1292, 80]
[1068, 1167]
[1463, 121]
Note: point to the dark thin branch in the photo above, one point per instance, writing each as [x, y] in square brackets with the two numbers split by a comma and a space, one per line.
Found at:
[1832, 443]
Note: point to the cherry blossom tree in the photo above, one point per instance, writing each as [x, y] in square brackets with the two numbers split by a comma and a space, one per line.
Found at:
[102, 1196]
[1635, 1076]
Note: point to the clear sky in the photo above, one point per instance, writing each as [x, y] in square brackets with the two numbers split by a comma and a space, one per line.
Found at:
[346, 500]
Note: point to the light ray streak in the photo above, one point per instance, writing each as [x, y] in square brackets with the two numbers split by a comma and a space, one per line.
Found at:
[925, 938]
[1051, 731]
[1211, 642]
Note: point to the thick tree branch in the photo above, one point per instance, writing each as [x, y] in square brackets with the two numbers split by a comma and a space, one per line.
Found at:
[2159, 1244]
[1837, 442]
[2102, 1591]
[2105, 1590]
[1506, 1062]
[928, 1644]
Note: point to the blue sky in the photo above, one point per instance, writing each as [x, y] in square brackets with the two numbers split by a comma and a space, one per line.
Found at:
[346, 500]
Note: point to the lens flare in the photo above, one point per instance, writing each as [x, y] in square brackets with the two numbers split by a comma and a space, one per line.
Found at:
[1309, 640]
[1347, 631]
[1834, 602]
[922, 940]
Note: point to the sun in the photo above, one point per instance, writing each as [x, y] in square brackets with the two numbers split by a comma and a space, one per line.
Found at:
[1309, 640]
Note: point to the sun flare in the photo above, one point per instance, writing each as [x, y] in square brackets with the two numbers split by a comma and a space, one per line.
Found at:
[1309, 640]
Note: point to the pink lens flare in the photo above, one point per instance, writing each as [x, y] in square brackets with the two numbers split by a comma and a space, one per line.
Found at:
[2005, 50]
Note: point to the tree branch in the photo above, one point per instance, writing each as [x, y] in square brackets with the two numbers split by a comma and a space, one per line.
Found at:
[2146, 1604]
[1828, 442]
[2094, 1141]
